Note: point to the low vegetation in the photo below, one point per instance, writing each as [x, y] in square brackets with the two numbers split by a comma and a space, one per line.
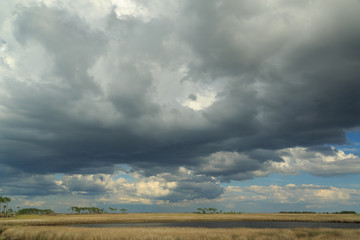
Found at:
[90, 210]
[32, 223]
[49, 227]
[93, 210]
[306, 212]
[345, 212]
[29, 211]
[67, 219]
[62, 233]
[215, 211]
[298, 212]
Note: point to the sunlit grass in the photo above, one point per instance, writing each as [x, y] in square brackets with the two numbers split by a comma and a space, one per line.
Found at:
[45, 227]
[65, 233]
[63, 219]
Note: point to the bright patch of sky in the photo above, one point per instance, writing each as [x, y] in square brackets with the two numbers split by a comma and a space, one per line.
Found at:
[352, 144]
[299, 179]
[200, 100]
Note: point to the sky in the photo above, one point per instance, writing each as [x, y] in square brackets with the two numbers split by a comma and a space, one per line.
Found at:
[168, 106]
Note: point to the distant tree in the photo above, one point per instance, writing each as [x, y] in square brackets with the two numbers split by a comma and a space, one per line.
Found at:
[93, 210]
[123, 210]
[75, 210]
[112, 209]
[212, 210]
[1, 206]
[298, 212]
[27, 211]
[84, 210]
[201, 210]
[4, 201]
[346, 212]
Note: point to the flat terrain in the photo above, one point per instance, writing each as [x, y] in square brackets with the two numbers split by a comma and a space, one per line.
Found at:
[52, 227]
[63, 219]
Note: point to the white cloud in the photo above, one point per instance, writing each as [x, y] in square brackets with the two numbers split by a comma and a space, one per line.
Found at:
[115, 189]
[320, 163]
[33, 204]
[130, 8]
[140, 189]
[203, 100]
[293, 194]
[154, 187]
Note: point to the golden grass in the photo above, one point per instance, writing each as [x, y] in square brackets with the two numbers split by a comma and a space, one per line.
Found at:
[44, 227]
[62, 219]
[66, 233]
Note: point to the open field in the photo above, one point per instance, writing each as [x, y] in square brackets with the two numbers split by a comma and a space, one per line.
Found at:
[63, 219]
[66, 233]
[51, 227]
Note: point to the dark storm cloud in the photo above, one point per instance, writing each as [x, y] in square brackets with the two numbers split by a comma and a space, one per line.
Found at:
[192, 97]
[227, 166]
[70, 42]
[288, 74]
[16, 182]
[191, 190]
[280, 95]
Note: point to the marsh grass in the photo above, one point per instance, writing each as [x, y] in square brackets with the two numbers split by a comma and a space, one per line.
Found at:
[49, 227]
[63, 219]
[66, 233]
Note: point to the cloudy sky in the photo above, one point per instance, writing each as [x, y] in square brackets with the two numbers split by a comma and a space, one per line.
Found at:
[167, 106]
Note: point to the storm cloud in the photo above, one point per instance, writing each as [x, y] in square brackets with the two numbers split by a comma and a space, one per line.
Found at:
[216, 89]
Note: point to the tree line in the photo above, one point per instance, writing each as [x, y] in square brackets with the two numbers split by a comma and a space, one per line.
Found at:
[93, 210]
[5, 211]
[122, 210]
[307, 212]
[81, 210]
[215, 211]
[27, 211]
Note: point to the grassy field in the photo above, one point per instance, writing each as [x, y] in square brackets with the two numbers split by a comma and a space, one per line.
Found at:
[51, 227]
[66, 233]
[63, 219]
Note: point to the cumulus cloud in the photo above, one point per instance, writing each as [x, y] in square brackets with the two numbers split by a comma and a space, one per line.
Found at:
[182, 185]
[222, 89]
[33, 204]
[232, 165]
[291, 194]
[319, 162]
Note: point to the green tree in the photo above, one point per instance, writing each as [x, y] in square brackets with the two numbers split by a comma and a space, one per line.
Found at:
[26, 211]
[4, 201]
[201, 210]
[123, 210]
[75, 210]
[212, 210]
[1, 206]
[112, 209]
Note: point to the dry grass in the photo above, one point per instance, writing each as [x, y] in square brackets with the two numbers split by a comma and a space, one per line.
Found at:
[16, 228]
[62, 219]
[66, 233]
